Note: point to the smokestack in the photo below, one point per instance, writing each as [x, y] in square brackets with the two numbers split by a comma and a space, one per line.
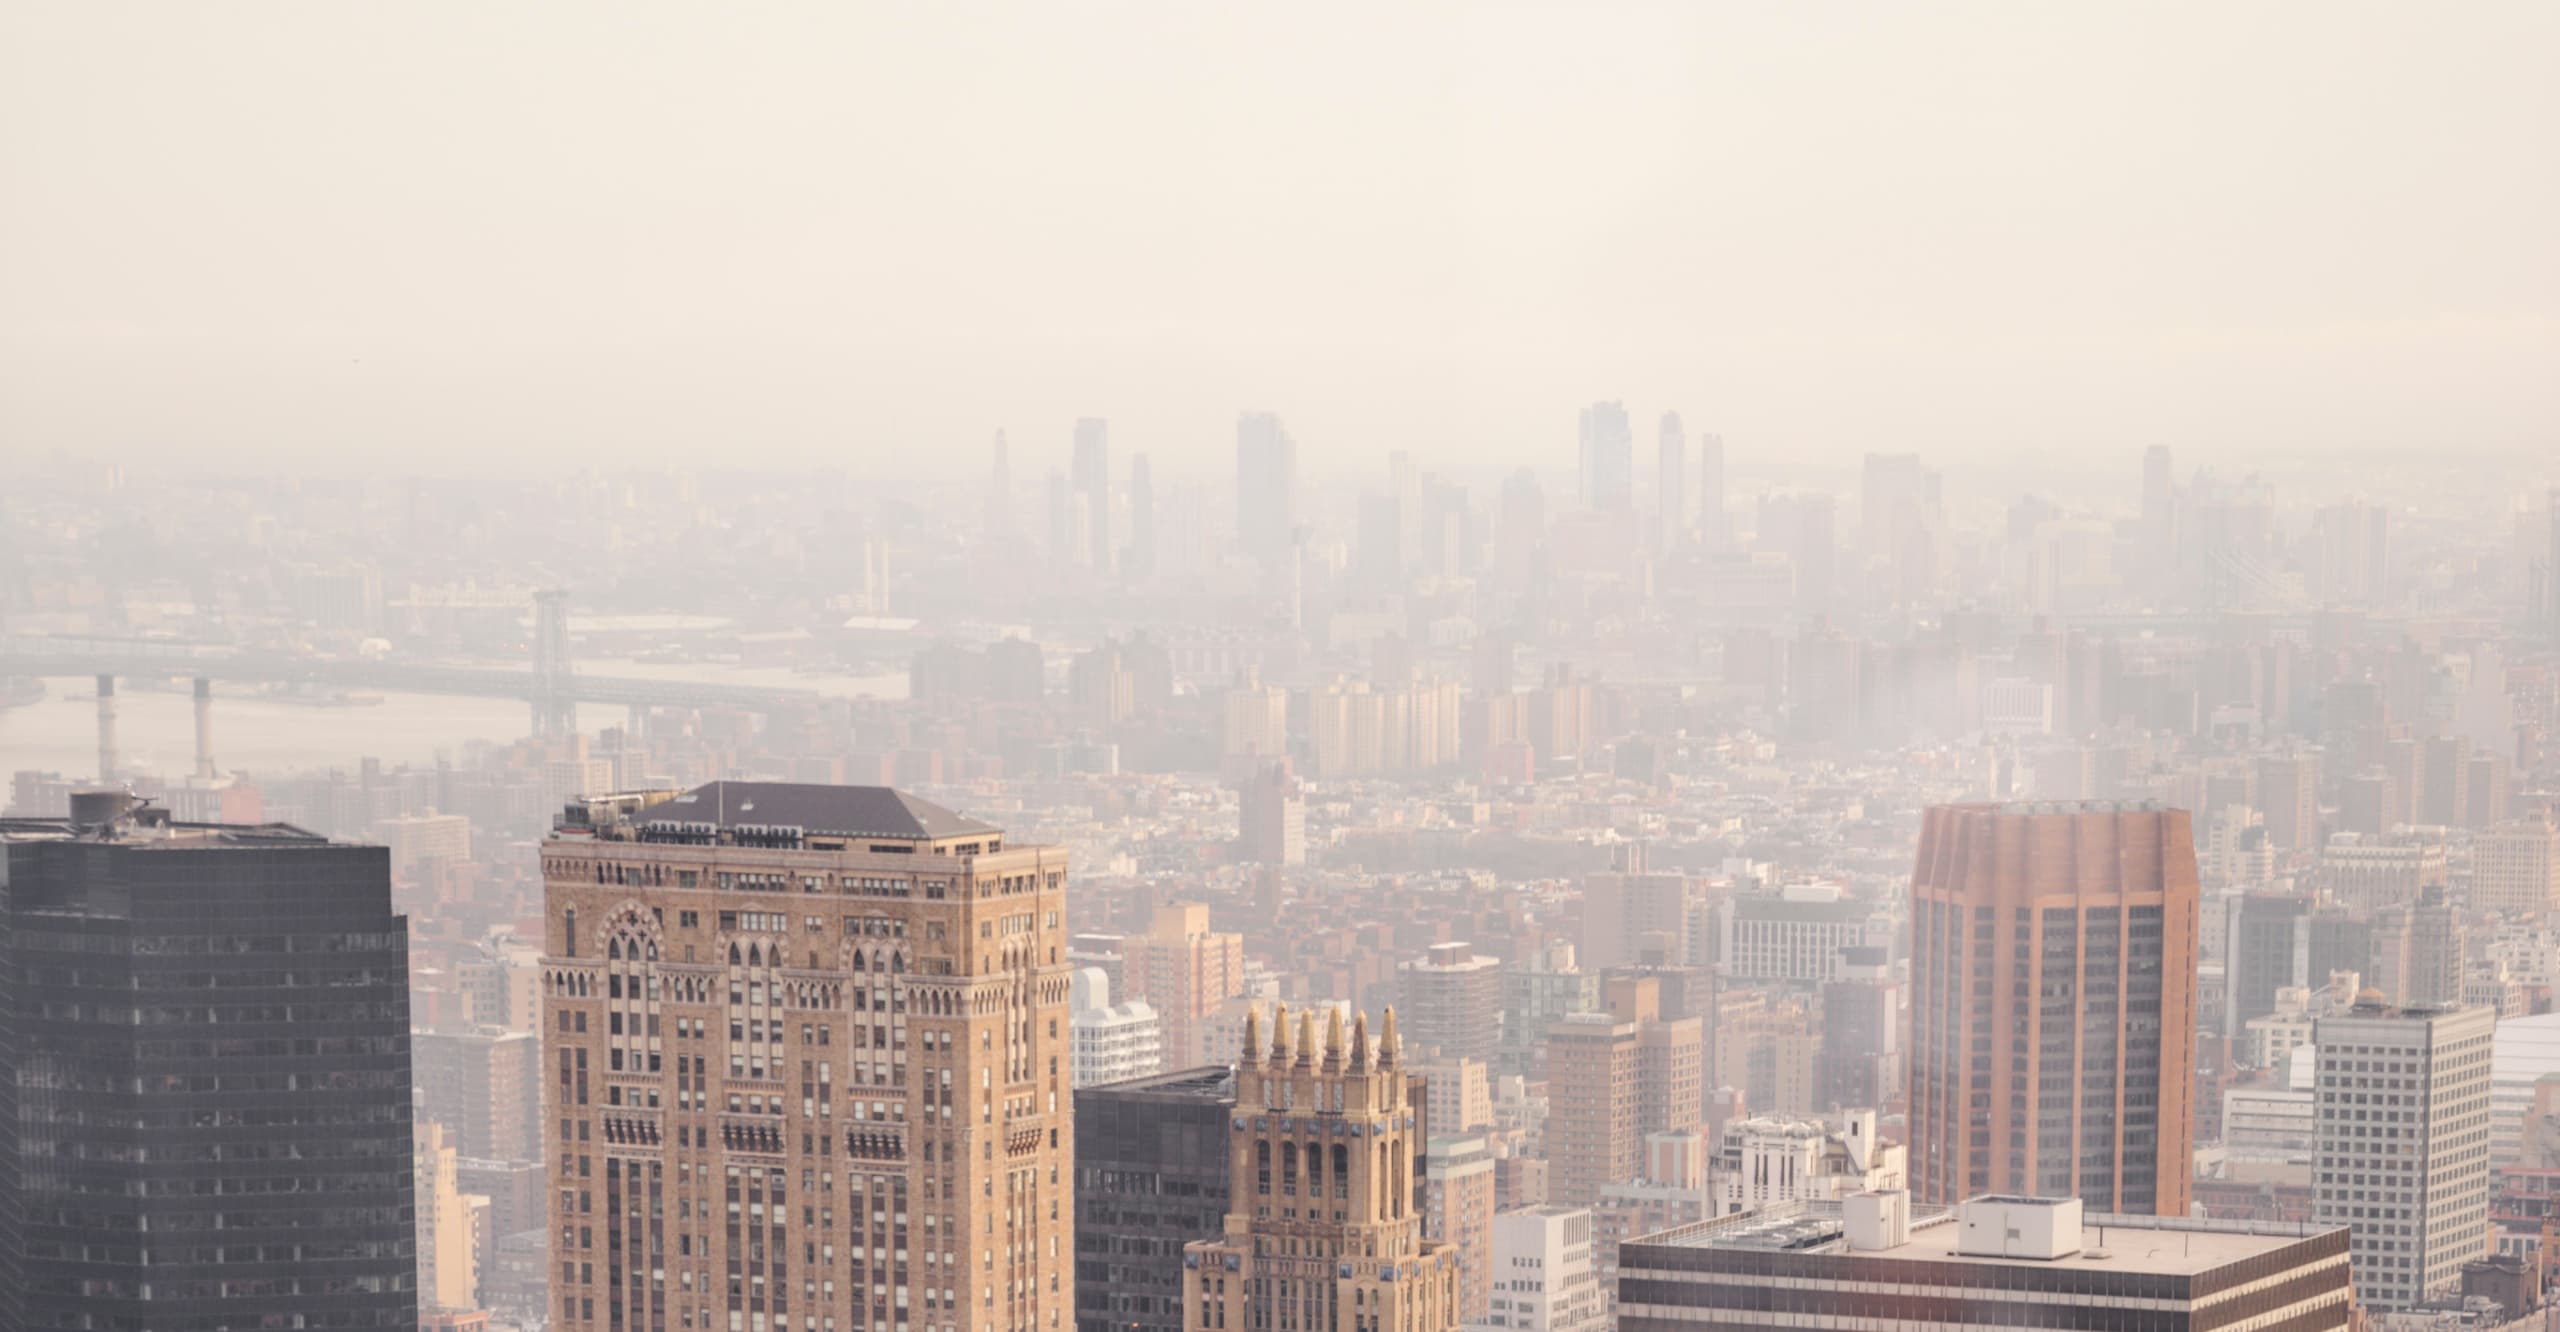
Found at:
[106, 728]
[204, 728]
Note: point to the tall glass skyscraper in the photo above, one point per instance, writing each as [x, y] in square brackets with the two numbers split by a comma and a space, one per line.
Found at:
[2053, 978]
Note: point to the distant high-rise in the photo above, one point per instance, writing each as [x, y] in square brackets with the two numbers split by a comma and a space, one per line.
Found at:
[1323, 1232]
[1802, 526]
[2053, 977]
[1457, 1207]
[205, 1122]
[1900, 517]
[1860, 1059]
[2418, 951]
[1152, 1176]
[1608, 458]
[1271, 816]
[2402, 1118]
[2515, 868]
[2266, 948]
[1520, 530]
[1142, 518]
[1454, 999]
[1378, 560]
[1711, 511]
[1614, 1078]
[1109, 1042]
[1000, 494]
[2159, 510]
[2289, 797]
[2551, 564]
[1066, 526]
[1671, 474]
[1266, 486]
[1186, 970]
[2351, 550]
[1092, 478]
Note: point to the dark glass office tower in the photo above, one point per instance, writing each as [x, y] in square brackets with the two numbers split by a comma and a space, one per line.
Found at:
[1152, 1175]
[204, 1077]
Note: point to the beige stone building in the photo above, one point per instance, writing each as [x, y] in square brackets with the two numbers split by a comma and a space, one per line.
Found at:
[2515, 868]
[1324, 1230]
[807, 1065]
[450, 1223]
[1186, 970]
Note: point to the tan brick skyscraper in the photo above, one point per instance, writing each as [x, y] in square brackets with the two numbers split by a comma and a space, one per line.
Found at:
[2053, 970]
[807, 1065]
[1322, 1231]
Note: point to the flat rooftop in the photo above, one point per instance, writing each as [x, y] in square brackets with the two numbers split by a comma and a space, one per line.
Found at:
[2154, 1246]
[1209, 1082]
[163, 834]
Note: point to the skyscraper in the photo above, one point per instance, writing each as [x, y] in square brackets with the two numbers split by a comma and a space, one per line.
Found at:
[1186, 970]
[1458, 1208]
[2159, 518]
[1000, 495]
[1454, 999]
[2266, 948]
[1613, 1079]
[1901, 520]
[205, 1121]
[2289, 796]
[1520, 529]
[1110, 1042]
[808, 1062]
[2402, 1118]
[1860, 1058]
[2551, 563]
[2053, 977]
[1711, 511]
[1066, 523]
[1092, 478]
[1142, 518]
[2515, 868]
[1266, 486]
[2418, 951]
[1608, 458]
[1271, 816]
[1671, 476]
[1323, 1232]
[1151, 1176]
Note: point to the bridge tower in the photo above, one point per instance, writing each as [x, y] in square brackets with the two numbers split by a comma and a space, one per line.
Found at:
[555, 702]
[106, 729]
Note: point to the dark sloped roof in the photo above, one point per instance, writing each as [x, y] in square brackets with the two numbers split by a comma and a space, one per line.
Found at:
[853, 811]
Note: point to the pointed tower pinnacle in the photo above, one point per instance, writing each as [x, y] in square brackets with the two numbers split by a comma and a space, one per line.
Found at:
[1388, 1047]
[1252, 1035]
[1306, 1037]
[1280, 1033]
[1360, 1043]
[1333, 1040]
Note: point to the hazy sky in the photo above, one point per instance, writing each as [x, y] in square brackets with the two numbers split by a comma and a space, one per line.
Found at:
[468, 233]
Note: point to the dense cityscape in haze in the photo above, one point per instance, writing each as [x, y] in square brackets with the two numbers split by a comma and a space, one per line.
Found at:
[1672, 885]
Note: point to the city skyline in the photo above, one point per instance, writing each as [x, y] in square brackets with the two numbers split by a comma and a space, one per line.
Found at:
[1133, 668]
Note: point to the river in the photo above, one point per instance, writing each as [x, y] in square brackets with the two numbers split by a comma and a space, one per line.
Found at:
[155, 727]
